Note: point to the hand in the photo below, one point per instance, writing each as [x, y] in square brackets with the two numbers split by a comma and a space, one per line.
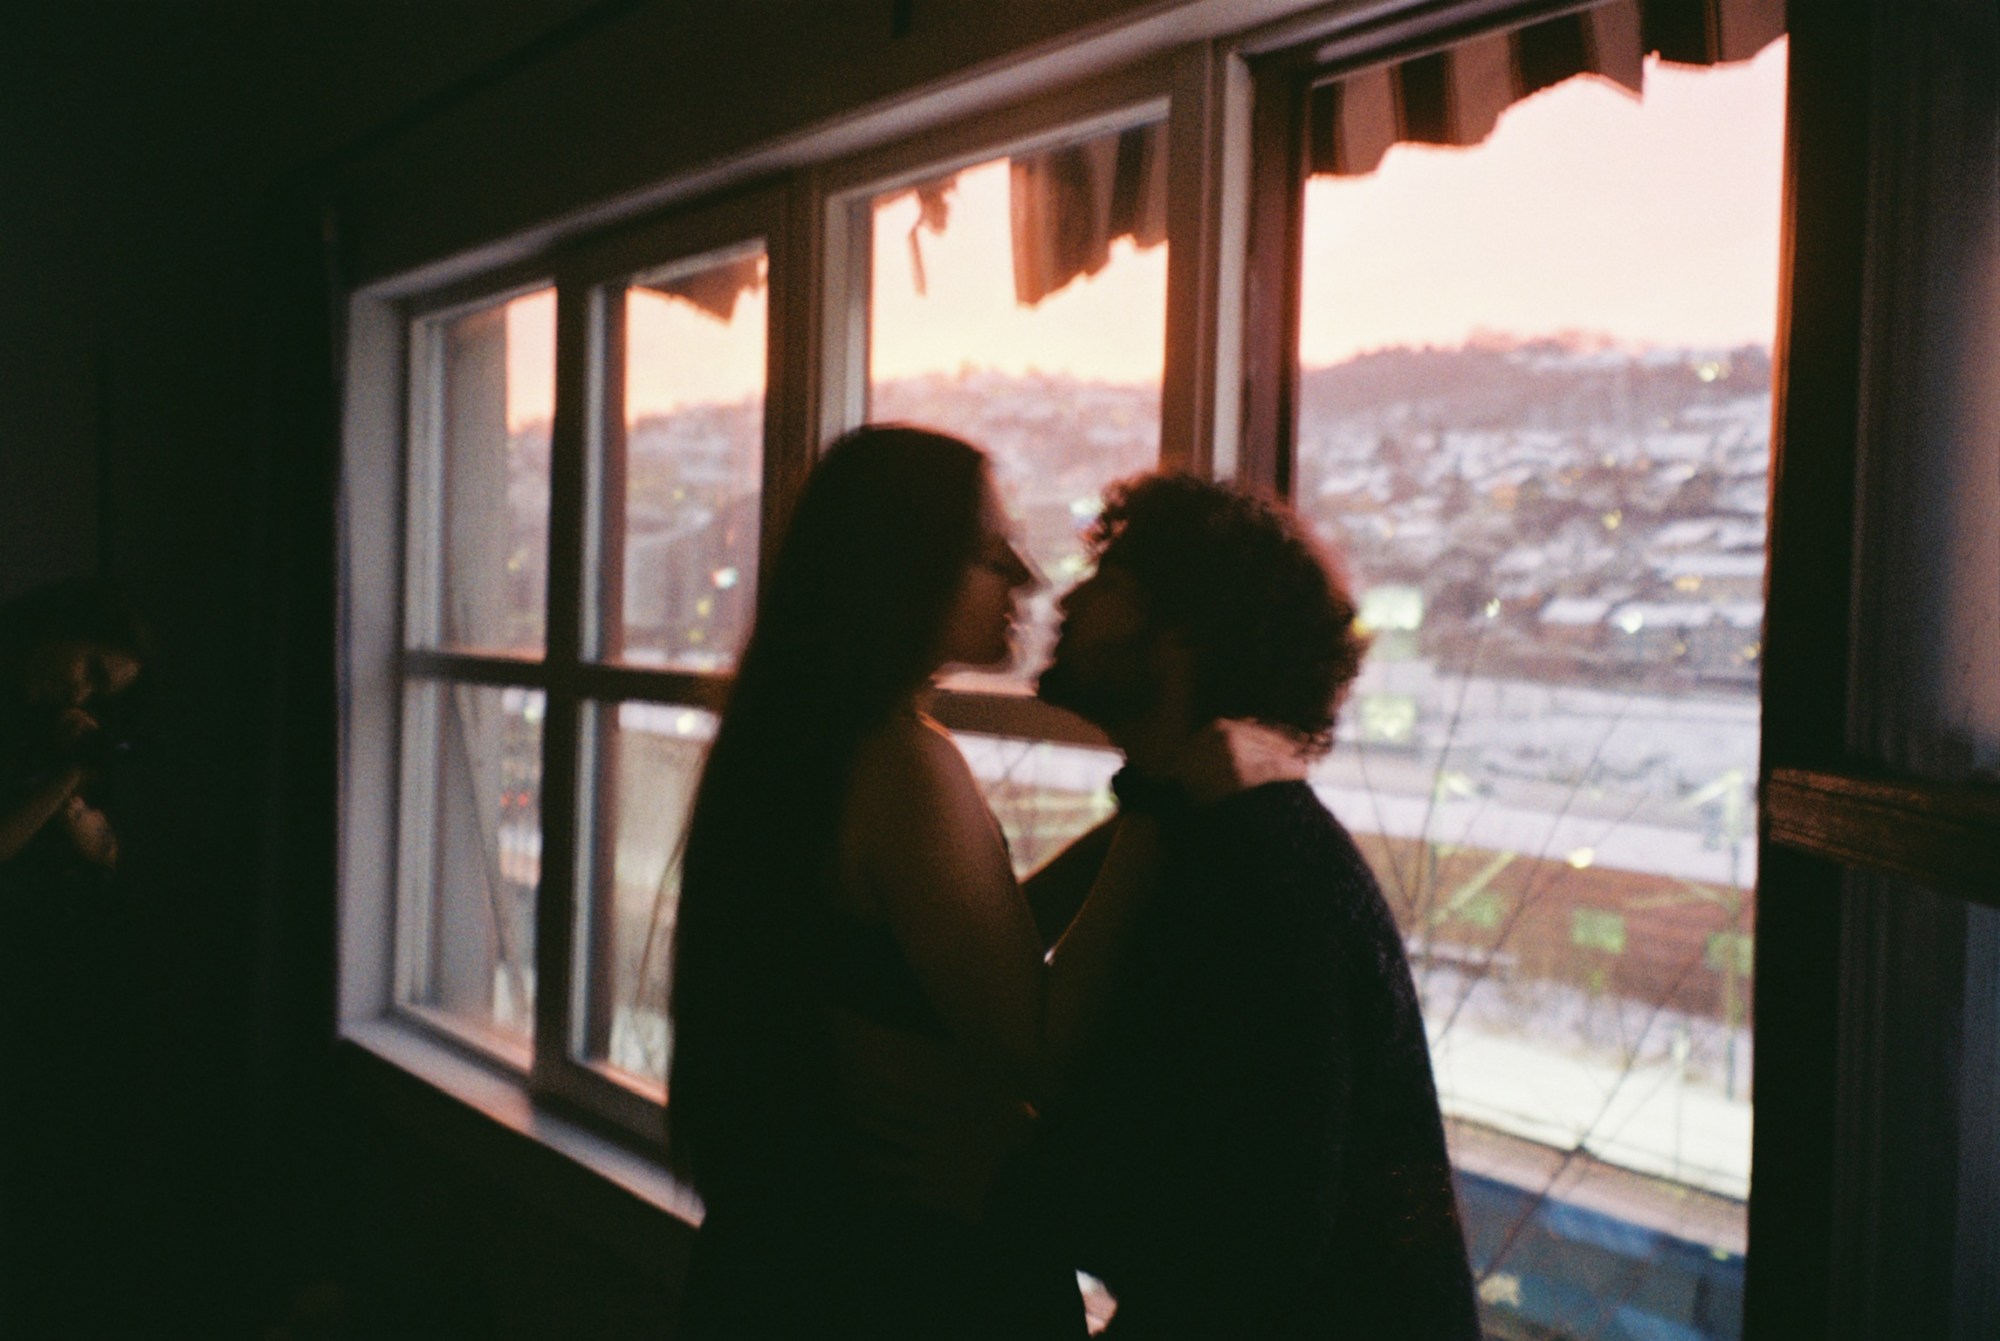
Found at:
[1231, 755]
[90, 833]
[928, 1126]
[74, 725]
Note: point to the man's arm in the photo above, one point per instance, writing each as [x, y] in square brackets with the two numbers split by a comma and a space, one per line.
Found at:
[32, 812]
[19, 826]
[1199, 1174]
[1058, 889]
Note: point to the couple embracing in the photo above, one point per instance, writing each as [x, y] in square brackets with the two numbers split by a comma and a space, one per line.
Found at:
[917, 1096]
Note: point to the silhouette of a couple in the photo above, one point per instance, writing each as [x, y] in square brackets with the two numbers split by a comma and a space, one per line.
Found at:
[917, 1096]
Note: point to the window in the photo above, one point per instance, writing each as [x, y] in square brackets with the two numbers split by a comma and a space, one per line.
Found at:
[591, 463]
[1505, 308]
[1532, 406]
[477, 539]
[586, 463]
[676, 467]
[1020, 302]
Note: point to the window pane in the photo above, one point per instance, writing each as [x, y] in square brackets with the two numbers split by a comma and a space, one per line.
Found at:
[1543, 444]
[472, 848]
[1021, 304]
[683, 465]
[484, 393]
[645, 760]
[1043, 794]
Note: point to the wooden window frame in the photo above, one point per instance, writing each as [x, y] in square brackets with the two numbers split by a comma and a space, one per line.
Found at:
[1285, 68]
[1826, 810]
[1226, 408]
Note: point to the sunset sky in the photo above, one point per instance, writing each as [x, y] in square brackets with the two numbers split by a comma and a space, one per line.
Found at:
[1654, 222]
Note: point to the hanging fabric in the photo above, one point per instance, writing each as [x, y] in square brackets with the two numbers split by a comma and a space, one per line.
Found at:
[713, 289]
[1456, 96]
[1070, 204]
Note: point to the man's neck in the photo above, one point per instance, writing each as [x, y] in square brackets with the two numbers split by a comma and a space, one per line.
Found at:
[1154, 743]
[1154, 740]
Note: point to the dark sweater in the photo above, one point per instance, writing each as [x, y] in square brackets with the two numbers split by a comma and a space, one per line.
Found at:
[1255, 1149]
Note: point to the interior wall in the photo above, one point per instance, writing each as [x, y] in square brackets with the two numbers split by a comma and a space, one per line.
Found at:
[166, 382]
[1918, 1251]
[178, 1155]
[634, 94]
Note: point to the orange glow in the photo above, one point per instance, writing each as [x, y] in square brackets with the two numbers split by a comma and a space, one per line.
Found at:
[1651, 222]
[1107, 327]
[531, 359]
[679, 355]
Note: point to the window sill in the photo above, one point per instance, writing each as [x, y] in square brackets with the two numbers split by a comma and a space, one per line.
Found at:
[487, 1122]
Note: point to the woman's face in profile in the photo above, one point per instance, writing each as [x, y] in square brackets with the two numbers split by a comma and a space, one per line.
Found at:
[979, 627]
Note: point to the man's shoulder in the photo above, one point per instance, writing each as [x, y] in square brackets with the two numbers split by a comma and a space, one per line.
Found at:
[1277, 850]
[1283, 824]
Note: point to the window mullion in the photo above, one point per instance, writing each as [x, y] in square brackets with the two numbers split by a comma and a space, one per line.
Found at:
[576, 353]
[1270, 348]
[1208, 176]
[849, 252]
[799, 388]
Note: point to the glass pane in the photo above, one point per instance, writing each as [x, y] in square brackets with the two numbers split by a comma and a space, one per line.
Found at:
[1021, 304]
[1543, 444]
[1044, 794]
[684, 485]
[485, 393]
[646, 759]
[472, 851]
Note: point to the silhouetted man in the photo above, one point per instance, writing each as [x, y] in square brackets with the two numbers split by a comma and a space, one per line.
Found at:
[1254, 1147]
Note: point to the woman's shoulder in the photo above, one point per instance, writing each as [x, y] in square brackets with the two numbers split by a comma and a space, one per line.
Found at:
[909, 754]
[914, 813]
[910, 779]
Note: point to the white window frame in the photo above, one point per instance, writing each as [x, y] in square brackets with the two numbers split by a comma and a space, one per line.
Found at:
[388, 643]
[818, 263]
[815, 223]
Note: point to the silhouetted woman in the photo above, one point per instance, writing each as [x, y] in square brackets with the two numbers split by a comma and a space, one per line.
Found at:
[841, 858]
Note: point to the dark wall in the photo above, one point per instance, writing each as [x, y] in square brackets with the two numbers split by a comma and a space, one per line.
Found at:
[163, 376]
[183, 188]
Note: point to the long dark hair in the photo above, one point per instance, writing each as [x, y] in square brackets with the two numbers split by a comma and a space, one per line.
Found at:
[848, 628]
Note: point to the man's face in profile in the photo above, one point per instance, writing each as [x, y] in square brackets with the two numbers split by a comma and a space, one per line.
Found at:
[1102, 668]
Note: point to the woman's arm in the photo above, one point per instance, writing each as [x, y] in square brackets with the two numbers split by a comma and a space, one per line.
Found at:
[1058, 889]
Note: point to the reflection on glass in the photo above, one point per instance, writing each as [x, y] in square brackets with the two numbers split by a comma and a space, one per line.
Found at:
[1021, 304]
[481, 449]
[648, 758]
[1043, 794]
[688, 484]
[1547, 466]
[473, 847]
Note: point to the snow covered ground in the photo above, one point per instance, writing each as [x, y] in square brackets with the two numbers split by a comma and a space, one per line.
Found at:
[1633, 782]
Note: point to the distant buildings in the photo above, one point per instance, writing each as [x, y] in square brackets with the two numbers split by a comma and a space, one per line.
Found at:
[1588, 516]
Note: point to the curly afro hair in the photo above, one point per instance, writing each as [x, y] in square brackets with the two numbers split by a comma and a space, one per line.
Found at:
[1264, 609]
